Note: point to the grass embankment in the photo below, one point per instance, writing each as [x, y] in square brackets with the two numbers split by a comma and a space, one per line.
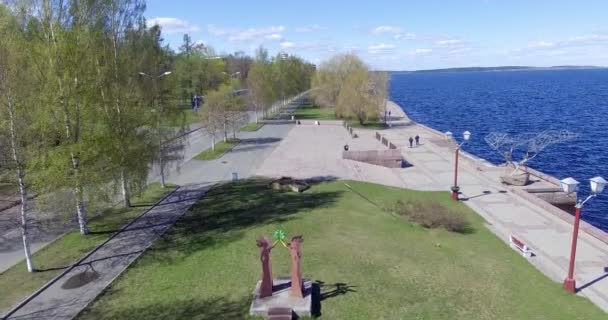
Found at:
[373, 125]
[369, 264]
[220, 149]
[251, 127]
[309, 111]
[313, 112]
[16, 283]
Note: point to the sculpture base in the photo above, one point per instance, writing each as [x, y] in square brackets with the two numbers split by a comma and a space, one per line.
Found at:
[281, 298]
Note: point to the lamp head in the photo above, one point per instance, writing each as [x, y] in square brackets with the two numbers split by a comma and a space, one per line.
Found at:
[466, 135]
[597, 184]
[569, 185]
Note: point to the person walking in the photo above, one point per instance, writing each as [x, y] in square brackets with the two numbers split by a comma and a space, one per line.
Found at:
[411, 142]
[417, 140]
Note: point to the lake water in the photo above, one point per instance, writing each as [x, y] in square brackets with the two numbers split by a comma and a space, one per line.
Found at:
[519, 102]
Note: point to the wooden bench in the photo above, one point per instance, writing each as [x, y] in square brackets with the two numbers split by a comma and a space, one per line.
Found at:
[521, 246]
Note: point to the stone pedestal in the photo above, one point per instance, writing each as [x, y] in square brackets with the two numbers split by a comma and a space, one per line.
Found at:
[282, 298]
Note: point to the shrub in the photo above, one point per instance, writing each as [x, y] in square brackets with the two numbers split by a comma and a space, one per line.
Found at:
[433, 215]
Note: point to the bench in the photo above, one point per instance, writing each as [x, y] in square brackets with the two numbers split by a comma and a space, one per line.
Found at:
[521, 246]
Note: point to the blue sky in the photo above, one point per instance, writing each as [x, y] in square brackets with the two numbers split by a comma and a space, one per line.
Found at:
[398, 35]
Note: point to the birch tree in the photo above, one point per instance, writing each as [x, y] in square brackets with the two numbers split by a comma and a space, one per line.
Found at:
[260, 86]
[14, 121]
[64, 75]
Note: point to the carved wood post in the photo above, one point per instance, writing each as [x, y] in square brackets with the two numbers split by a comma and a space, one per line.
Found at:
[296, 273]
[266, 286]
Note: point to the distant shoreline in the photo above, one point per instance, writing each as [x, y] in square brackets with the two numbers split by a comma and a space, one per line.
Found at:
[499, 69]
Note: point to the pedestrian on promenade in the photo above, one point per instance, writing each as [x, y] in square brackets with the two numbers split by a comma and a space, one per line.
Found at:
[411, 142]
[417, 140]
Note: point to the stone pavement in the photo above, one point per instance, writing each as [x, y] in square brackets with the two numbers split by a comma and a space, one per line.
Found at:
[310, 151]
[71, 293]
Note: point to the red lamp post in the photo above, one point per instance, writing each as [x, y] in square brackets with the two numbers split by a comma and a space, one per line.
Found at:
[455, 188]
[570, 186]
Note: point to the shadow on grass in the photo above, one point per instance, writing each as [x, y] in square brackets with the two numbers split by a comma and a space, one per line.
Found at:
[227, 209]
[264, 140]
[322, 291]
[208, 309]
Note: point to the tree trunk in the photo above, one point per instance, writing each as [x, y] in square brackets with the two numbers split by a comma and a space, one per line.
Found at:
[22, 191]
[81, 212]
[225, 132]
[125, 188]
[161, 162]
[24, 229]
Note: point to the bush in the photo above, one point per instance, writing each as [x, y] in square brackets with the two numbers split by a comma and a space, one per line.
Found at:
[433, 215]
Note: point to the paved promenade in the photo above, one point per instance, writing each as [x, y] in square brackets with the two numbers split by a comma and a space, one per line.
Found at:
[311, 150]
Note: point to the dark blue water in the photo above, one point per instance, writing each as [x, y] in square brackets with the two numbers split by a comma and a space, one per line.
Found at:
[518, 102]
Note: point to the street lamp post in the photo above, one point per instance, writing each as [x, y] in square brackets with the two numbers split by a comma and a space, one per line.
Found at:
[466, 136]
[570, 185]
[160, 139]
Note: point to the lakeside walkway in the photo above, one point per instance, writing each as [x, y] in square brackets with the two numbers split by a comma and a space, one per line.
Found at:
[312, 151]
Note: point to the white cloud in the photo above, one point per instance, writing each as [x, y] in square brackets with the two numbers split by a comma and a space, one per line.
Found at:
[460, 50]
[386, 29]
[174, 25]
[255, 33]
[405, 36]
[249, 34]
[543, 44]
[200, 42]
[288, 44]
[448, 43]
[274, 36]
[380, 47]
[217, 31]
[578, 41]
[309, 28]
[422, 51]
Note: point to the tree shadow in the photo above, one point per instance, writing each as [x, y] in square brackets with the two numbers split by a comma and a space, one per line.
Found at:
[322, 291]
[222, 214]
[207, 309]
[265, 140]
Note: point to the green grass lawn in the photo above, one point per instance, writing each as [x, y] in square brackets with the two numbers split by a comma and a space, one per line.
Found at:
[374, 125]
[186, 116]
[308, 111]
[16, 283]
[190, 116]
[220, 149]
[369, 263]
[252, 127]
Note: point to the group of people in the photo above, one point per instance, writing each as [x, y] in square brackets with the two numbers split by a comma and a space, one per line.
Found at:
[417, 138]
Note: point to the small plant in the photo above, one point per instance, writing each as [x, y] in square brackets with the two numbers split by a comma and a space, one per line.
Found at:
[433, 215]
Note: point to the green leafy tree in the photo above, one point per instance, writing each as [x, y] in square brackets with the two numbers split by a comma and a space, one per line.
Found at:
[15, 119]
[259, 83]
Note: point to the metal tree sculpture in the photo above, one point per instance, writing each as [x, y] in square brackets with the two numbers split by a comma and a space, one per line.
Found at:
[296, 274]
[529, 144]
[265, 247]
